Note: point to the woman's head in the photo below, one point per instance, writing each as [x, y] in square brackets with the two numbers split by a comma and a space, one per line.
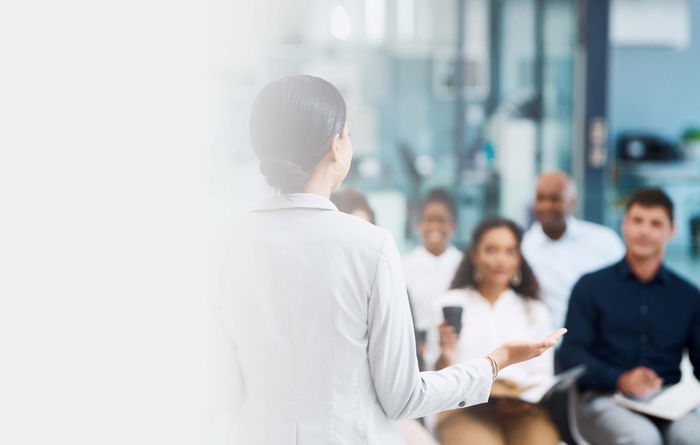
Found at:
[436, 221]
[298, 129]
[494, 258]
[353, 202]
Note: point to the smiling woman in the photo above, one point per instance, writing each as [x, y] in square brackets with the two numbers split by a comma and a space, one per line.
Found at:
[494, 258]
[499, 297]
[436, 223]
[430, 267]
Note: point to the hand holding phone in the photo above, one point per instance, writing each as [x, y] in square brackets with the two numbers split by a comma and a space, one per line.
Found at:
[453, 317]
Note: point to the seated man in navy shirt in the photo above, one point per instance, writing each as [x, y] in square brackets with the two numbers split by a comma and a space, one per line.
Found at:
[629, 323]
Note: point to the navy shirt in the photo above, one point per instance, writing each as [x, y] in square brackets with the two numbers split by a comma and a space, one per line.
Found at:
[617, 323]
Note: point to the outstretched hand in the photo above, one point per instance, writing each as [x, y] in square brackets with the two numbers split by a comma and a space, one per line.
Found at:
[517, 351]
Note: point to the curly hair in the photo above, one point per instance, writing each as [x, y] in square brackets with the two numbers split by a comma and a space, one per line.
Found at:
[441, 196]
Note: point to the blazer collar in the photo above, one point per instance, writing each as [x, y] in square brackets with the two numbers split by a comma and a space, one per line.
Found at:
[295, 201]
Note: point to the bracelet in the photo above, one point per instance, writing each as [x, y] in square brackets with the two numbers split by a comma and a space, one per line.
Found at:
[494, 366]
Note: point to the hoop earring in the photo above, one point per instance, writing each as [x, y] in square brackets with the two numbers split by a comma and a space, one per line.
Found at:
[478, 277]
[516, 279]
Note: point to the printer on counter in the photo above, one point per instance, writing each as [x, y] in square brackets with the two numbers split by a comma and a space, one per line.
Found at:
[647, 147]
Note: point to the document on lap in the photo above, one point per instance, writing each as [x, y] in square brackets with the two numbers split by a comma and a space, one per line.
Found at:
[670, 403]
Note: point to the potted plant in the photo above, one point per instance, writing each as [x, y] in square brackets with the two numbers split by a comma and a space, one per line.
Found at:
[691, 143]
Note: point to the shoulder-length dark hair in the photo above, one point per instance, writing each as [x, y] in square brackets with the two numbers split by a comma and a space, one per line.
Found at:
[292, 124]
[464, 277]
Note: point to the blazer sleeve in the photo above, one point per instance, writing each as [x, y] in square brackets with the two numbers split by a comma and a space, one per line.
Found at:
[401, 389]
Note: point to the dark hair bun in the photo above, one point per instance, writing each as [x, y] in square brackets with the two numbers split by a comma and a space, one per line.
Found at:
[283, 174]
[292, 124]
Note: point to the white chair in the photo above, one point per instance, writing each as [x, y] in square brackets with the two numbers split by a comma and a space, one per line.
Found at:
[572, 400]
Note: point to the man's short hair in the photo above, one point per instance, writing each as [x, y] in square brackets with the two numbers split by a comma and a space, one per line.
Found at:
[651, 197]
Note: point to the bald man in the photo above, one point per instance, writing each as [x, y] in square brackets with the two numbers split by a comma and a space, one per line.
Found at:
[561, 248]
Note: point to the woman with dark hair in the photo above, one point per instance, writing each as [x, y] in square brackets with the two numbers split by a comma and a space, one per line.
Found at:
[499, 297]
[323, 343]
[429, 268]
[352, 201]
[470, 274]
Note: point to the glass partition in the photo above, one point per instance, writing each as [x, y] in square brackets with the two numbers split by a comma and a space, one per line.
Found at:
[471, 95]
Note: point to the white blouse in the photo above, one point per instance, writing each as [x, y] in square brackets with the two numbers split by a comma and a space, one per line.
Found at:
[427, 277]
[486, 326]
[322, 336]
[559, 264]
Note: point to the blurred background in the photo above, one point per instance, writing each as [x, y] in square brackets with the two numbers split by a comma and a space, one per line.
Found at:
[480, 96]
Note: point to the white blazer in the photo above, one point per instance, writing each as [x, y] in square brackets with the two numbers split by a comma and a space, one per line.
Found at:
[322, 332]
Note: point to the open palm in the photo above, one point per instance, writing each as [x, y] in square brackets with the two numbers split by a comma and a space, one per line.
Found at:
[517, 351]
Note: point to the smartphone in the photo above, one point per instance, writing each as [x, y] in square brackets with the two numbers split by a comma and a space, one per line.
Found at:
[453, 317]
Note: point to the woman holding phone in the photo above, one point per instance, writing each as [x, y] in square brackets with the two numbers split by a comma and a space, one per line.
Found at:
[319, 320]
[494, 298]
